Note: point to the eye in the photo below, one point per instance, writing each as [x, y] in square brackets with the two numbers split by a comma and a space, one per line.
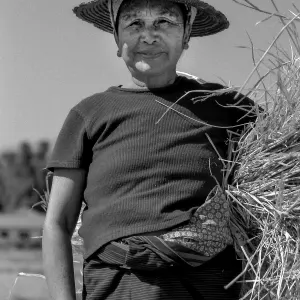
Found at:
[135, 23]
[163, 22]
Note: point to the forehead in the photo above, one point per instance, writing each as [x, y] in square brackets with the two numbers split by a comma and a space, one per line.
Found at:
[134, 8]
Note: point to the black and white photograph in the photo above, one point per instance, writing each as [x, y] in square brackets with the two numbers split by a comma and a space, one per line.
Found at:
[150, 150]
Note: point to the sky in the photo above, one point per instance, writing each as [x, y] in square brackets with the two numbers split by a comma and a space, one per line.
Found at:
[50, 61]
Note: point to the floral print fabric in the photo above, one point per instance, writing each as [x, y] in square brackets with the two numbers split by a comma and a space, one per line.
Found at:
[208, 231]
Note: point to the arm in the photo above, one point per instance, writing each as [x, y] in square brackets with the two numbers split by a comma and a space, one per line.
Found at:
[61, 218]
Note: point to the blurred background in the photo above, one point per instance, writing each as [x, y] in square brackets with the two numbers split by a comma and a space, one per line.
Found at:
[49, 61]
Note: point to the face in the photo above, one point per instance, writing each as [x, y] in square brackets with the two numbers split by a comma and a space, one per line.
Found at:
[151, 35]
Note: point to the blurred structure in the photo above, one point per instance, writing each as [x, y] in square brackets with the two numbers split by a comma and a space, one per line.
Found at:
[21, 229]
[21, 173]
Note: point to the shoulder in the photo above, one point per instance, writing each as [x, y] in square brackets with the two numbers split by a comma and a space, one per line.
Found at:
[223, 101]
[94, 104]
[191, 83]
[227, 95]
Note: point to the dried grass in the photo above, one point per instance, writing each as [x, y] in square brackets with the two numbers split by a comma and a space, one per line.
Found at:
[265, 192]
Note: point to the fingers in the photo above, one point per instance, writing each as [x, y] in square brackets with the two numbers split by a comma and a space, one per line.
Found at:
[125, 54]
[142, 66]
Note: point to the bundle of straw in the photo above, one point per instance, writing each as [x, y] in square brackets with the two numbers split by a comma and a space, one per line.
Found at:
[265, 192]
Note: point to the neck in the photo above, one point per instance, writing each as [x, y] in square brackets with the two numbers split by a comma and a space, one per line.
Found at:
[151, 82]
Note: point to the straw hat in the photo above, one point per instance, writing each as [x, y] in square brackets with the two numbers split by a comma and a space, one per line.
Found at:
[208, 20]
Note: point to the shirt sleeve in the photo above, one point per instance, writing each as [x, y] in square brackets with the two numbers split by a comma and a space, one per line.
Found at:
[246, 112]
[72, 148]
[243, 111]
[240, 111]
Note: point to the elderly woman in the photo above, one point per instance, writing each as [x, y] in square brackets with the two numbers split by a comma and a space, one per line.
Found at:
[144, 160]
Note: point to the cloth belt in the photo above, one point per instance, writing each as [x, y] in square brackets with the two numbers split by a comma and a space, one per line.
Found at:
[152, 254]
[138, 253]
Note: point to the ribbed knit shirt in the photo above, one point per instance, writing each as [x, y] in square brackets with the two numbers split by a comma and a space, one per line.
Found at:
[145, 175]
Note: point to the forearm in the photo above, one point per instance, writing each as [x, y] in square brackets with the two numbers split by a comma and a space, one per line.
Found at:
[58, 263]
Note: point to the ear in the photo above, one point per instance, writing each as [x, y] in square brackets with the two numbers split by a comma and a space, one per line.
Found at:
[187, 36]
[119, 54]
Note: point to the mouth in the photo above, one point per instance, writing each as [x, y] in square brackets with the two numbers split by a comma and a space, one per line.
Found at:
[150, 55]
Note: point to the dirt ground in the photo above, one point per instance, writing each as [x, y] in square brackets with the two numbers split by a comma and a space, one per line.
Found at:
[14, 287]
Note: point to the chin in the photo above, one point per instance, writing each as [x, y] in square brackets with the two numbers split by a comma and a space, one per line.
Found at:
[151, 69]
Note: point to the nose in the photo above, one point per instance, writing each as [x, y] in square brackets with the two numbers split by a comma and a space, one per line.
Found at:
[149, 35]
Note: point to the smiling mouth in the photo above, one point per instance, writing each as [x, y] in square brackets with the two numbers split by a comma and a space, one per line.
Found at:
[150, 55]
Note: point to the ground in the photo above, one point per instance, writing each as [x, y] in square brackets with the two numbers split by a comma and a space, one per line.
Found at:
[12, 262]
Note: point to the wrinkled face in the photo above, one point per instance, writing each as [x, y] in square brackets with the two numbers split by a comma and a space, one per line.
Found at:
[150, 35]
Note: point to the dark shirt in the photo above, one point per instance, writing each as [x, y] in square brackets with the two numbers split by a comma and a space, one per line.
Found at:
[145, 176]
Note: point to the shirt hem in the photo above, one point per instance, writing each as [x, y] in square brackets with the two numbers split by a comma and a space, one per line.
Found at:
[73, 165]
[128, 231]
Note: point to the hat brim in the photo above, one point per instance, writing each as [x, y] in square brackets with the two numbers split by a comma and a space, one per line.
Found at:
[208, 20]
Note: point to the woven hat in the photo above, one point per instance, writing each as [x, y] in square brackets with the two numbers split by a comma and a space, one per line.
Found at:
[207, 21]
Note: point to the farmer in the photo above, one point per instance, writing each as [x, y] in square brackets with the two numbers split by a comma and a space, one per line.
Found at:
[146, 162]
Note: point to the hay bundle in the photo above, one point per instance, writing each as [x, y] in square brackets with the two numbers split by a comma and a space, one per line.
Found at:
[265, 192]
